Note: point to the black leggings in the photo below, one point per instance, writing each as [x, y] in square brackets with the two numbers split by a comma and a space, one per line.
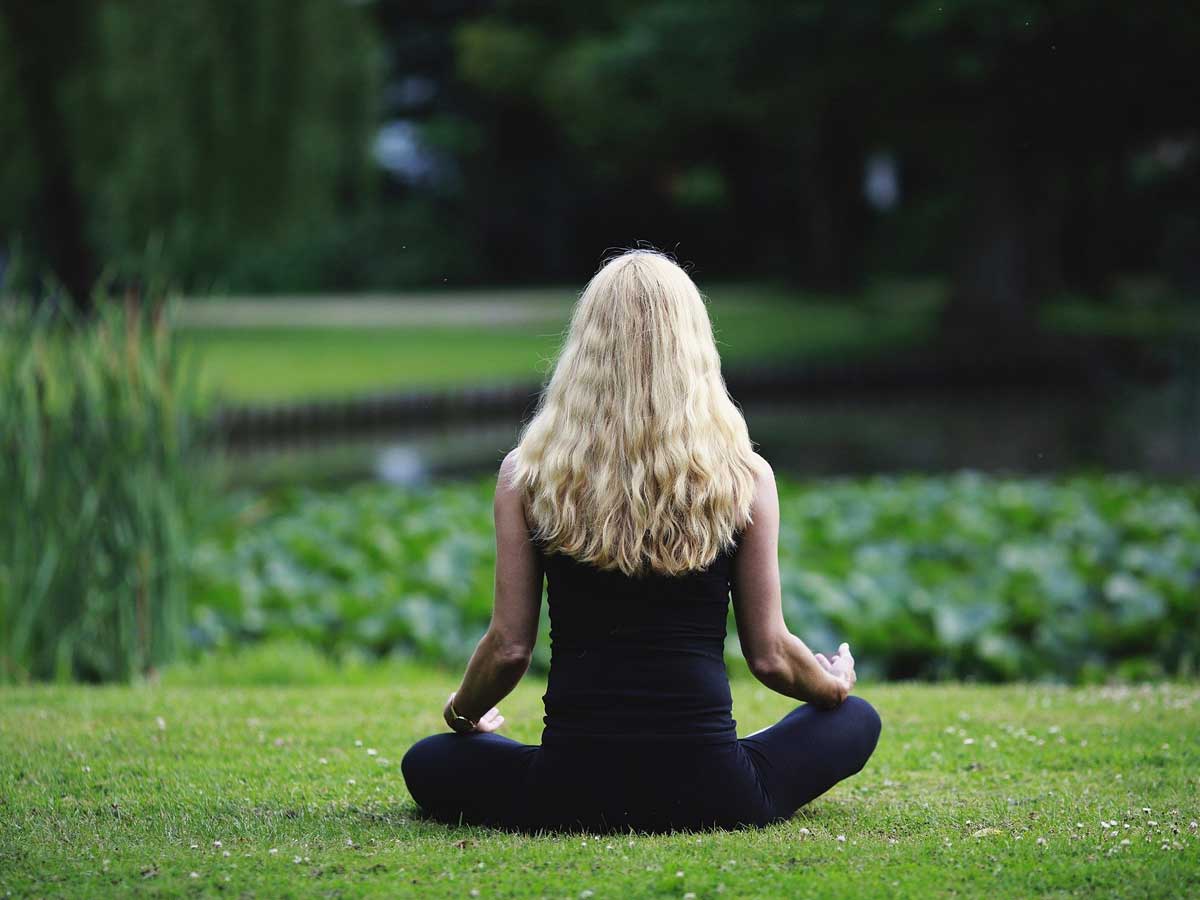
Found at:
[489, 779]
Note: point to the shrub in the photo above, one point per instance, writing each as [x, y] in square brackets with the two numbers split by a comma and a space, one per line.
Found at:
[97, 484]
[965, 576]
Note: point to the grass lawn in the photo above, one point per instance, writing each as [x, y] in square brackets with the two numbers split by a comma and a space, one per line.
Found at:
[268, 792]
[286, 360]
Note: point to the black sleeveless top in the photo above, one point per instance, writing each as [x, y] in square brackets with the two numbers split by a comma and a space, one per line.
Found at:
[637, 658]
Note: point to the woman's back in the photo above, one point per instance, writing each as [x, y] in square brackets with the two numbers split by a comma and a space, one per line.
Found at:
[637, 658]
[635, 495]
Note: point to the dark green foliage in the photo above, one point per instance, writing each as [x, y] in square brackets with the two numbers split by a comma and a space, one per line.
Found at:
[1032, 158]
[963, 576]
[370, 568]
[200, 131]
[97, 484]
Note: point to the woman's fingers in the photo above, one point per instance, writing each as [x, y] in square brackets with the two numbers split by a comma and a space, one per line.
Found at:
[490, 722]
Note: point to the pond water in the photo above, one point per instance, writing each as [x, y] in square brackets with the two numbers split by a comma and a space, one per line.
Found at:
[1154, 432]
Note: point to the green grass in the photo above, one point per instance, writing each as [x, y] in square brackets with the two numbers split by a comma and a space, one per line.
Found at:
[976, 791]
[266, 364]
[753, 324]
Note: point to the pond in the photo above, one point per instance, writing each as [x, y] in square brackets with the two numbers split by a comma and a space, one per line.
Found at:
[930, 429]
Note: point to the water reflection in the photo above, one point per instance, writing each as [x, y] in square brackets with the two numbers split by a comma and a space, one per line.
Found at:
[1152, 431]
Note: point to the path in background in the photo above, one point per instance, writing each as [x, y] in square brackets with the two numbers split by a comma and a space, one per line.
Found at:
[270, 349]
[478, 308]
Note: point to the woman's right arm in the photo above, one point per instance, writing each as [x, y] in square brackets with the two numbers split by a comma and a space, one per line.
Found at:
[778, 658]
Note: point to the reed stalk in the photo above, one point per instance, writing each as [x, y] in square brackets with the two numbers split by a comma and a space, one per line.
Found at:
[99, 488]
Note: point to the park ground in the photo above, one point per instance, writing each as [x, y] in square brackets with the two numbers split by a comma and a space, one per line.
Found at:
[267, 349]
[286, 348]
[195, 787]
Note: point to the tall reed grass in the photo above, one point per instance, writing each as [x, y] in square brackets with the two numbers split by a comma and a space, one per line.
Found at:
[99, 487]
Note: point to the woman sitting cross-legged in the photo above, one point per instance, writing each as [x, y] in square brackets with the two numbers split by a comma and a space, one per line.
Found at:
[635, 492]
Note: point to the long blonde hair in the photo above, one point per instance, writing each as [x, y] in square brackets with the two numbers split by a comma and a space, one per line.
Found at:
[636, 456]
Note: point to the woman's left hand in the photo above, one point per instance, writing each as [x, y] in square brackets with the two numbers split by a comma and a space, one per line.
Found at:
[488, 722]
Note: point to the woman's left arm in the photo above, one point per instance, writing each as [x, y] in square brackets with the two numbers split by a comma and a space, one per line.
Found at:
[502, 656]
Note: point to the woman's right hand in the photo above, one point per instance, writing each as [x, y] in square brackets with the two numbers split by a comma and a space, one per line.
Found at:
[841, 668]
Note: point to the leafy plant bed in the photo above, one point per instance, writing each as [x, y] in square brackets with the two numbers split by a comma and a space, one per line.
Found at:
[965, 576]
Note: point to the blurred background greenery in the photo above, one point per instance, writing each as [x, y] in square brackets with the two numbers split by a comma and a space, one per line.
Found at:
[274, 274]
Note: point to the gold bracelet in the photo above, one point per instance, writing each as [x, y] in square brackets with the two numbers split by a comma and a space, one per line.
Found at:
[456, 720]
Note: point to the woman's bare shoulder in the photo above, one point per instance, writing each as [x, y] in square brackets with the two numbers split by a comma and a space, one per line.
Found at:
[763, 473]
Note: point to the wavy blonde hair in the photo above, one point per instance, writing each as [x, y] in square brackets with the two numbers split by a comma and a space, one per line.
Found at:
[637, 458]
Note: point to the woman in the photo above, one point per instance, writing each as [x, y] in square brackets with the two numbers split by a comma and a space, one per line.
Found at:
[635, 492]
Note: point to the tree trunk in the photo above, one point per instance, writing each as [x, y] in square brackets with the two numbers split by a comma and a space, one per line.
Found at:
[835, 216]
[1009, 258]
[47, 40]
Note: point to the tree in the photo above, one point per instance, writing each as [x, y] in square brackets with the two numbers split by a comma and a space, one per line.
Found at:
[653, 95]
[47, 44]
[198, 128]
[1028, 114]
[1034, 112]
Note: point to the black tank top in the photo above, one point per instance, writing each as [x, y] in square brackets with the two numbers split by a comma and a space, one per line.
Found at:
[637, 658]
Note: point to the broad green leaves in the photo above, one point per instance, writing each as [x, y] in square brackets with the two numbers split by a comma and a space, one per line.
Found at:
[965, 576]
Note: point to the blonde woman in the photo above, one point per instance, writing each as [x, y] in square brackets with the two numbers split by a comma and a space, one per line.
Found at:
[635, 494]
